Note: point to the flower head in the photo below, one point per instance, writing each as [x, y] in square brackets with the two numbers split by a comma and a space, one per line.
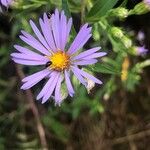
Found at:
[59, 61]
[6, 3]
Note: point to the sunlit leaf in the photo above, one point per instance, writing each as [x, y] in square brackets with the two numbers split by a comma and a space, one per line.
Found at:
[105, 68]
[99, 9]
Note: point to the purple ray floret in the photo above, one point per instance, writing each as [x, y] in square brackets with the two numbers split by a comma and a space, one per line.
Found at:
[147, 2]
[47, 47]
[6, 3]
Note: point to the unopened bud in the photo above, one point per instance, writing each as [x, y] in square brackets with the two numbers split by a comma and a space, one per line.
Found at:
[106, 96]
[120, 12]
[90, 83]
[126, 41]
[141, 8]
[116, 32]
[132, 50]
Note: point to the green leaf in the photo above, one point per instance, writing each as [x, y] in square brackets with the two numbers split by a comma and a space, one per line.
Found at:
[66, 8]
[124, 3]
[106, 68]
[100, 9]
[56, 127]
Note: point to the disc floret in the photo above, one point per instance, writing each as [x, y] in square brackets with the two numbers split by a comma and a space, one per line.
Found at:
[60, 61]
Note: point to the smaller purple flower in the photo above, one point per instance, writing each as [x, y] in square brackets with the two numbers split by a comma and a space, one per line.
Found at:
[6, 3]
[141, 50]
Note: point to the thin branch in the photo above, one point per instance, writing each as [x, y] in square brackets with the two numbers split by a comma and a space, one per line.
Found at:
[35, 112]
[131, 137]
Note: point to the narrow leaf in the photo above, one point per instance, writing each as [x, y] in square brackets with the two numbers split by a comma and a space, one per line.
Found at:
[100, 8]
[66, 8]
[105, 68]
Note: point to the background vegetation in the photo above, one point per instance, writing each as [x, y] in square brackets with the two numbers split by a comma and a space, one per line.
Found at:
[115, 115]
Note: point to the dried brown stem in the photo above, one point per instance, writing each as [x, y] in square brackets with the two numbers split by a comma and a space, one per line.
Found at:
[35, 112]
[132, 137]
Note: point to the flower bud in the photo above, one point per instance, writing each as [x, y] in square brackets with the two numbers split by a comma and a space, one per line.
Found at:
[116, 32]
[126, 41]
[141, 8]
[120, 12]
[90, 83]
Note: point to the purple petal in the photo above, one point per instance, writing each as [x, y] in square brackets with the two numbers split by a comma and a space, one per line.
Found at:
[95, 55]
[78, 76]
[47, 86]
[33, 39]
[69, 25]
[63, 34]
[47, 30]
[44, 30]
[33, 76]
[80, 40]
[87, 75]
[147, 2]
[29, 57]
[86, 62]
[37, 78]
[56, 29]
[26, 51]
[58, 91]
[4, 2]
[48, 94]
[9, 1]
[28, 62]
[86, 53]
[68, 83]
[39, 35]
[35, 44]
[141, 50]
[80, 43]
[65, 30]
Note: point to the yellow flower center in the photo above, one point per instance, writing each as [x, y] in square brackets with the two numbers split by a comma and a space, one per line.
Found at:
[60, 61]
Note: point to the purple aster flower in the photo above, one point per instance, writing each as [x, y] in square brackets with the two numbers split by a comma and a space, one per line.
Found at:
[6, 3]
[141, 50]
[60, 62]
